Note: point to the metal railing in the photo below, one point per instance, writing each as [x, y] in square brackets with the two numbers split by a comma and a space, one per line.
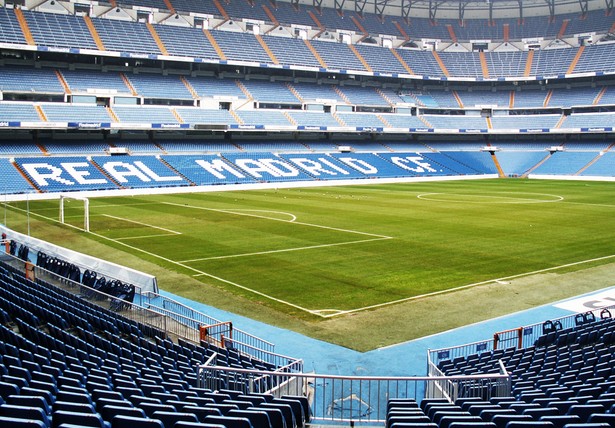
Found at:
[521, 337]
[241, 340]
[356, 399]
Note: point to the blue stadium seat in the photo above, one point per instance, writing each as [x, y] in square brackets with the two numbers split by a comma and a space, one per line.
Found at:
[121, 421]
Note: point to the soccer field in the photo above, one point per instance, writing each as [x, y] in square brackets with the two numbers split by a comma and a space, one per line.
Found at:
[321, 253]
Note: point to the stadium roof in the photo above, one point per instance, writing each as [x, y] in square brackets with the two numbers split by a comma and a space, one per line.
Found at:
[457, 8]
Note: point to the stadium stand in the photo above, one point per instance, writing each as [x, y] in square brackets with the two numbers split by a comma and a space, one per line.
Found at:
[243, 92]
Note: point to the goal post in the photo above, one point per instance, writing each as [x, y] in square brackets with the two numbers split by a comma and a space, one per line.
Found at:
[86, 210]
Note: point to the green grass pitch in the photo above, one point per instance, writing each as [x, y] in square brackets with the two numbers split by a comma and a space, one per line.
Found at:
[316, 254]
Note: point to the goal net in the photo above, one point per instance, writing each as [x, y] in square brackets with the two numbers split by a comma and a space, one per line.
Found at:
[75, 212]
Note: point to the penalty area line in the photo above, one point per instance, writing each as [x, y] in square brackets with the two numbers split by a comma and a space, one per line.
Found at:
[284, 250]
[277, 219]
[172, 232]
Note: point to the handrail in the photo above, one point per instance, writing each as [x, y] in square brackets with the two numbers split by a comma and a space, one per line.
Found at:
[352, 399]
[520, 338]
[196, 319]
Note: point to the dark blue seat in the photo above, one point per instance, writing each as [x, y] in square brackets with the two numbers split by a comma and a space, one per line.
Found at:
[602, 417]
[561, 420]
[276, 418]
[447, 420]
[584, 411]
[73, 407]
[529, 424]
[121, 421]
[24, 412]
[151, 408]
[10, 422]
[91, 420]
[184, 424]
[501, 421]
[29, 401]
[228, 421]
[472, 425]
[258, 419]
[170, 418]
[108, 412]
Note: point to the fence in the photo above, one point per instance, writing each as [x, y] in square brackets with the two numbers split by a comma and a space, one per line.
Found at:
[356, 399]
[521, 337]
[195, 320]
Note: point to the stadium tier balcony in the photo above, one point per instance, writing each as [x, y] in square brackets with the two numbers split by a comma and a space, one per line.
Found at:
[366, 96]
[598, 57]
[95, 81]
[503, 64]
[537, 121]
[263, 117]
[291, 51]
[270, 92]
[484, 98]
[403, 121]
[213, 87]
[142, 114]
[24, 112]
[338, 56]
[161, 87]
[195, 115]
[381, 60]
[66, 31]
[272, 146]
[122, 36]
[311, 92]
[241, 46]
[175, 39]
[589, 120]
[29, 80]
[361, 120]
[187, 145]
[57, 112]
[452, 122]
[10, 30]
[71, 147]
[313, 118]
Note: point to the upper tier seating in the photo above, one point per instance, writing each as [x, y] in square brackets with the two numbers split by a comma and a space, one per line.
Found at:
[52, 29]
[10, 31]
[115, 34]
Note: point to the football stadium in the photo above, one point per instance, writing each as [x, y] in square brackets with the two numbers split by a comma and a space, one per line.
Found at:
[293, 213]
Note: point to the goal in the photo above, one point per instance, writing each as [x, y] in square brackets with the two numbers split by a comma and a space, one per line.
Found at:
[75, 207]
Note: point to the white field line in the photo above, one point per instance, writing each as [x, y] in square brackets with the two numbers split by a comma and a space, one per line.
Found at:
[277, 219]
[172, 232]
[284, 250]
[145, 236]
[198, 272]
[489, 281]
